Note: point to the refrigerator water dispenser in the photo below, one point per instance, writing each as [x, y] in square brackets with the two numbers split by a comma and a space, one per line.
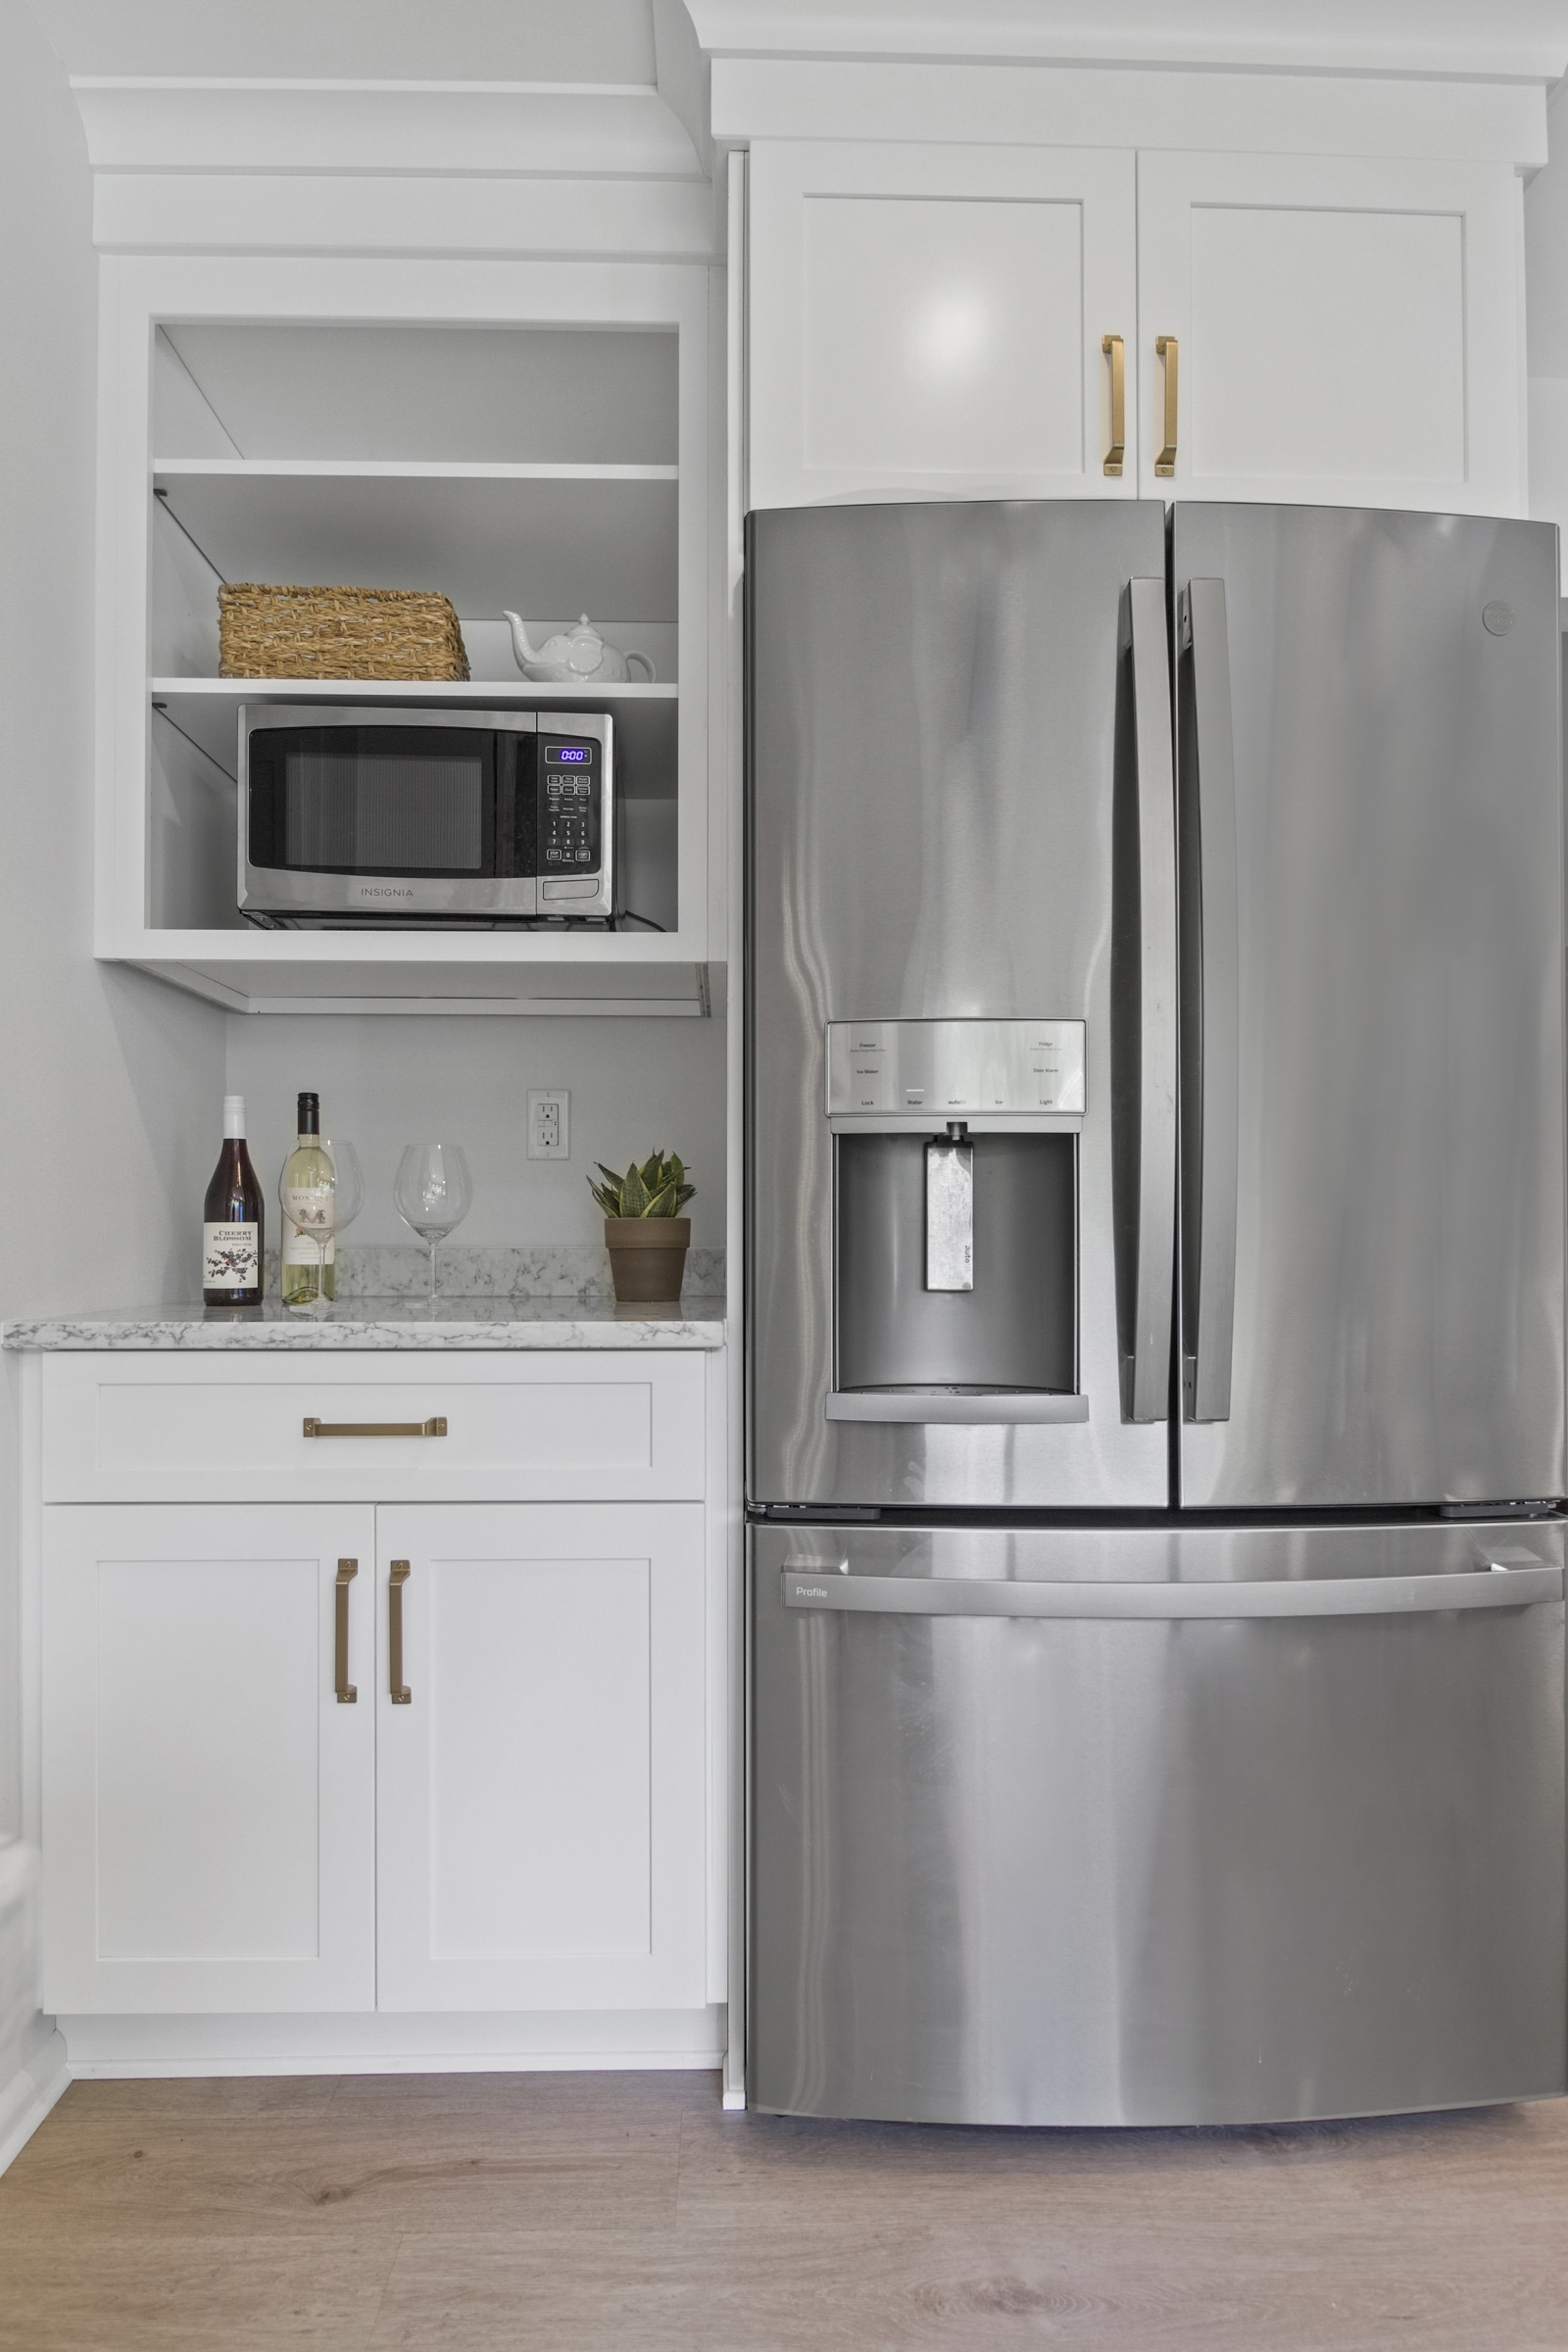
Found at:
[956, 1220]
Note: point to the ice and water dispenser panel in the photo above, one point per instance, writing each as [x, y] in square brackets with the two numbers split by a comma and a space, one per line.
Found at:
[955, 1219]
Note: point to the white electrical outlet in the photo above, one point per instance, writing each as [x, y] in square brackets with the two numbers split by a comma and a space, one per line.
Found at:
[548, 1122]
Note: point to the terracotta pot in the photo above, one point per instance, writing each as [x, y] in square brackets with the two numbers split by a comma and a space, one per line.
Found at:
[647, 1258]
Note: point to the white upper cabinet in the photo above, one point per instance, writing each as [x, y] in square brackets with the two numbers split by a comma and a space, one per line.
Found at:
[1346, 331]
[932, 321]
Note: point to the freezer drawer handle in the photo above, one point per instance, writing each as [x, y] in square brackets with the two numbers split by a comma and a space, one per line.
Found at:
[435, 1427]
[1210, 1042]
[1278, 1597]
[1146, 1319]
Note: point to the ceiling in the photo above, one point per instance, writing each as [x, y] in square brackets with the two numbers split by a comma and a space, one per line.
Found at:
[602, 41]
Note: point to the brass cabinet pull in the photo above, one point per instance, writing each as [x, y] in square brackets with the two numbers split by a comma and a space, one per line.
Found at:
[1115, 353]
[347, 1694]
[436, 1426]
[401, 1693]
[1166, 348]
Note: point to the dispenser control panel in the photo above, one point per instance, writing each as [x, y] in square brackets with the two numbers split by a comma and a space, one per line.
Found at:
[933, 1071]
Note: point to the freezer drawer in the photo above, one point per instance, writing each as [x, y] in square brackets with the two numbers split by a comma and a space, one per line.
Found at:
[1156, 1827]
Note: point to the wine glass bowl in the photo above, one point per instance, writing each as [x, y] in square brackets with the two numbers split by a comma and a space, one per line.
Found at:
[433, 1193]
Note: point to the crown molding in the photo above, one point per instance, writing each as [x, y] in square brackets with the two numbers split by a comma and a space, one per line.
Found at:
[1525, 40]
[1075, 106]
[158, 124]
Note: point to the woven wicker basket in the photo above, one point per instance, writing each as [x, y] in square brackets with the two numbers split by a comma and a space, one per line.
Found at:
[337, 633]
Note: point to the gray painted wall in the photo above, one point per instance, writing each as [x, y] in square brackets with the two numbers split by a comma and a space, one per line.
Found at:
[108, 1082]
[385, 1082]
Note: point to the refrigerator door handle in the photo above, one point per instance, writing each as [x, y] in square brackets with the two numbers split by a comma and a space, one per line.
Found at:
[1211, 1044]
[1146, 1372]
[1276, 1596]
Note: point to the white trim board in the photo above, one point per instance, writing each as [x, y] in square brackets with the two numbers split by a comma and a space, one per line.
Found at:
[1069, 106]
[402, 214]
[29, 2096]
[223, 124]
[634, 2040]
[1355, 36]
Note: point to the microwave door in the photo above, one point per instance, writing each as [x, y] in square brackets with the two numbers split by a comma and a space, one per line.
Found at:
[360, 816]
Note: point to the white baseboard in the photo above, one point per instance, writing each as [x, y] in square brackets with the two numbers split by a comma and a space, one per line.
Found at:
[111, 2047]
[27, 2097]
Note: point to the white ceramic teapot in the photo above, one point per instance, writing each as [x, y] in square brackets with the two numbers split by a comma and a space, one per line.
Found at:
[577, 657]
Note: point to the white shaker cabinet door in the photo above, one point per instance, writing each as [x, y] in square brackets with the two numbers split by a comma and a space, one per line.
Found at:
[540, 1780]
[208, 1800]
[1346, 332]
[930, 322]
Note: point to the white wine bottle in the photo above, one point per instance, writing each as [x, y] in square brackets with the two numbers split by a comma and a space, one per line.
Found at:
[307, 1267]
[233, 1228]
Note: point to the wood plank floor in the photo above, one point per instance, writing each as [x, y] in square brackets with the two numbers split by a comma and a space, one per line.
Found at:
[626, 2213]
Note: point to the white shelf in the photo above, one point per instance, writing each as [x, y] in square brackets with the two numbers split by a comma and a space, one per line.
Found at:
[540, 539]
[403, 470]
[517, 973]
[206, 709]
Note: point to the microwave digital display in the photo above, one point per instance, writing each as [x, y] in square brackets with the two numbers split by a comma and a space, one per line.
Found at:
[372, 817]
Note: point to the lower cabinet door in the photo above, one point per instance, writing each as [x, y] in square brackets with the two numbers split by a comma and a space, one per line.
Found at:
[208, 1797]
[540, 1756]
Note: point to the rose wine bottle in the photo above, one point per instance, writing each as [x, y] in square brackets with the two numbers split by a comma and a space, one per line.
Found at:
[232, 1229]
[308, 1268]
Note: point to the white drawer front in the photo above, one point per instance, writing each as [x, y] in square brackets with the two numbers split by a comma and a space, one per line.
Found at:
[192, 1428]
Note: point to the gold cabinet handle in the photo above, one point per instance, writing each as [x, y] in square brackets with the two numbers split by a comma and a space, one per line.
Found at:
[401, 1693]
[1115, 352]
[1166, 348]
[436, 1426]
[346, 1570]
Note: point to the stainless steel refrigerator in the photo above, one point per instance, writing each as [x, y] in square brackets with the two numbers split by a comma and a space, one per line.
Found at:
[1154, 1312]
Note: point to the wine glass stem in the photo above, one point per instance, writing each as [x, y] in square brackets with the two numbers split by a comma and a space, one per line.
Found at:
[434, 1246]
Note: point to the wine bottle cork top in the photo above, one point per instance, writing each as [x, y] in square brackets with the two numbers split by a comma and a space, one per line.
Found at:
[233, 1116]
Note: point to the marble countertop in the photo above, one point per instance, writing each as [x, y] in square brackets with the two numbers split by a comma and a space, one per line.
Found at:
[385, 1323]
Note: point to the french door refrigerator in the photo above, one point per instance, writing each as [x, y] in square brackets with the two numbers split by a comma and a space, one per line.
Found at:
[1155, 1327]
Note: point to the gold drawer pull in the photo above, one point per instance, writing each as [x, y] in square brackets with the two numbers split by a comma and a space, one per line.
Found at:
[1167, 349]
[433, 1428]
[347, 1694]
[1115, 352]
[401, 1693]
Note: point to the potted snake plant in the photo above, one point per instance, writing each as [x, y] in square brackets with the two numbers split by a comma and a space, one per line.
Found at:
[645, 1233]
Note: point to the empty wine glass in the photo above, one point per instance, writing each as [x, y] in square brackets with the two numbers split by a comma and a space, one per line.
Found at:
[348, 1193]
[318, 1212]
[433, 1193]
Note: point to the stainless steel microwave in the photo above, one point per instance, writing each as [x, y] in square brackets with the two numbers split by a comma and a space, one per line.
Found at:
[425, 816]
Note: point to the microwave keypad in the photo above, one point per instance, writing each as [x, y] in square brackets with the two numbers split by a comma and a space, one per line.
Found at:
[569, 808]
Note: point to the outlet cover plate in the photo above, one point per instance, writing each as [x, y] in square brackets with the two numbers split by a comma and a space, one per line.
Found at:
[548, 1122]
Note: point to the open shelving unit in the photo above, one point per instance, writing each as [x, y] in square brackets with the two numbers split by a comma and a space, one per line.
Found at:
[552, 466]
